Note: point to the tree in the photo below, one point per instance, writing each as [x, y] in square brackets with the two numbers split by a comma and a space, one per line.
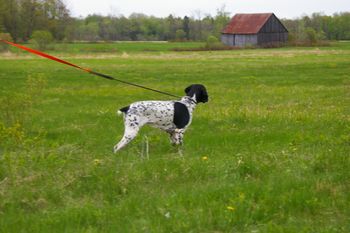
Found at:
[221, 19]
[335, 27]
[2, 13]
[197, 25]
[180, 35]
[21, 17]
[136, 20]
[208, 26]
[42, 39]
[56, 16]
[172, 24]
[28, 10]
[186, 27]
[11, 20]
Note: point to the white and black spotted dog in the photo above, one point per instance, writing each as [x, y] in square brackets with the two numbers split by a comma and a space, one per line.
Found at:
[171, 116]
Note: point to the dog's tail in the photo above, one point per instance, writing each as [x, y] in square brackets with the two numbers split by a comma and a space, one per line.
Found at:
[123, 110]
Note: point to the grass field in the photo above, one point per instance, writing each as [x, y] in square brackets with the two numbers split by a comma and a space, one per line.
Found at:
[113, 48]
[268, 153]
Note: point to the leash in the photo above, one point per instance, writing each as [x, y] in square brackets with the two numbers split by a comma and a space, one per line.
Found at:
[39, 53]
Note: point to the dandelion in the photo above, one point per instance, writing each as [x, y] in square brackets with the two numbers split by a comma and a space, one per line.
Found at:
[97, 161]
[230, 208]
[204, 158]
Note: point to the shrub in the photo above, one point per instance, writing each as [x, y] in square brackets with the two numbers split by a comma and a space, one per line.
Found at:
[3, 46]
[310, 35]
[212, 40]
[42, 39]
[213, 43]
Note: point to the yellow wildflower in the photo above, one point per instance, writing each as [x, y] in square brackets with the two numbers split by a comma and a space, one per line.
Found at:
[230, 208]
[97, 161]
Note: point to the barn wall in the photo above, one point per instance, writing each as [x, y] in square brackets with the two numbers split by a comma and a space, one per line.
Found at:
[228, 39]
[246, 40]
[273, 25]
[278, 37]
[273, 31]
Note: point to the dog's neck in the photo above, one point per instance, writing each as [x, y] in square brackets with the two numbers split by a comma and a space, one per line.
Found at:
[190, 102]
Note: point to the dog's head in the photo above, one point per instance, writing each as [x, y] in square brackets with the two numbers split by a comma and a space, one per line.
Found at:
[199, 91]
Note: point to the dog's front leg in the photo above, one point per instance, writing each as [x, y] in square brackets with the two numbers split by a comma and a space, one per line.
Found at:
[177, 136]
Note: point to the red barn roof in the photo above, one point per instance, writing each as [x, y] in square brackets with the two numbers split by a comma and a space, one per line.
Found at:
[246, 23]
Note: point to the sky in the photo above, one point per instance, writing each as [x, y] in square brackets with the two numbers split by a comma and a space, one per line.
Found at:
[200, 8]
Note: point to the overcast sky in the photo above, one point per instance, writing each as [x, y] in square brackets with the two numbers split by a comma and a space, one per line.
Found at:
[283, 9]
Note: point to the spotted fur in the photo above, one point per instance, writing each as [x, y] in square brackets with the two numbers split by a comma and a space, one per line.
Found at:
[174, 117]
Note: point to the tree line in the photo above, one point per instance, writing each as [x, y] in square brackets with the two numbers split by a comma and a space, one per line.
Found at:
[319, 27]
[140, 27]
[21, 19]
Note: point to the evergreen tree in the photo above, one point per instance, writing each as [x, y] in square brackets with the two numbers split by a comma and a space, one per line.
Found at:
[186, 27]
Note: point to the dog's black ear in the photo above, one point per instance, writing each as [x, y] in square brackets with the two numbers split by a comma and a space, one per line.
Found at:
[204, 96]
[188, 89]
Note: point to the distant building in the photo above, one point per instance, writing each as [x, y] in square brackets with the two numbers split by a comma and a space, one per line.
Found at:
[254, 29]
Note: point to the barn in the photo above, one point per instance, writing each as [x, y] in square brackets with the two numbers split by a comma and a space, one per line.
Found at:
[254, 30]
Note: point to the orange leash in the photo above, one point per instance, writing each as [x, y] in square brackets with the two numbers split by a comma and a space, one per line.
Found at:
[39, 53]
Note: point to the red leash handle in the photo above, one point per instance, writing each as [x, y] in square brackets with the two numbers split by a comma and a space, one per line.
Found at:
[44, 55]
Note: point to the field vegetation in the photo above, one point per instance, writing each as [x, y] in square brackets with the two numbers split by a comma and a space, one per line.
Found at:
[268, 153]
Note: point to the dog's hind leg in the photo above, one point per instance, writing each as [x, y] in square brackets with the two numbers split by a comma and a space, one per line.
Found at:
[129, 135]
[132, 127]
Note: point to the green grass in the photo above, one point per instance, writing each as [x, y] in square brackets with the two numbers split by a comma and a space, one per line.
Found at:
[114, 48]
[275, 133]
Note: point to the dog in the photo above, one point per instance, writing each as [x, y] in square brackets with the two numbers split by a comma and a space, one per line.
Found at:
[173, 117]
